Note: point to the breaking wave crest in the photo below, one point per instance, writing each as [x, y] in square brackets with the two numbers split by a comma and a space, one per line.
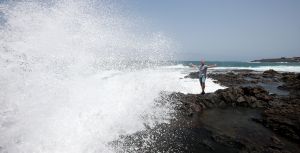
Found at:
[76, 75]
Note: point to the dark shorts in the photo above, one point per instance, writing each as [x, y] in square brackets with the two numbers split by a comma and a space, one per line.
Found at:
[202, 79]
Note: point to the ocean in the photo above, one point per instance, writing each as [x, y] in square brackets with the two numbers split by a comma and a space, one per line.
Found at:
[258, 66]
[66, 83]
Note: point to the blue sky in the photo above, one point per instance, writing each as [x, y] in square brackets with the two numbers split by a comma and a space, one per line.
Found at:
[225, 29]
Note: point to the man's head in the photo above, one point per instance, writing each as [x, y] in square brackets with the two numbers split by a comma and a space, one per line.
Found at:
[202, 62]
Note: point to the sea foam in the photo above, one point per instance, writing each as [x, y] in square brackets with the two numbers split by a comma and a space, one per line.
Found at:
[76, 75]
[264, 68]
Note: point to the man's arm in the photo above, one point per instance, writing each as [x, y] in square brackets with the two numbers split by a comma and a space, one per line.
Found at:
[192, 65]
[211, 66]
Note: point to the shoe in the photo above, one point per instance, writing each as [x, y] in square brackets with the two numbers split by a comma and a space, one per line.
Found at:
[202, 93]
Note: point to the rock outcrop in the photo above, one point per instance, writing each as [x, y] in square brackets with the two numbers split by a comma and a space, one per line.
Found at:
[282, 59]
[291, 82]
[243, 118]
[253, 97]
[284, 119]
[281, 113]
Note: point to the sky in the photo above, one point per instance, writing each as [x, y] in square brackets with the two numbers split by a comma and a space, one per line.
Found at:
[233, 30]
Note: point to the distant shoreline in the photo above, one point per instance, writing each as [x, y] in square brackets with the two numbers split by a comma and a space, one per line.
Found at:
[282, 59]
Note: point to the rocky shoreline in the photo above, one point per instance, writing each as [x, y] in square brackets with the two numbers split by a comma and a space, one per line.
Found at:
[282, 59]
[259, 112]
[252, 89]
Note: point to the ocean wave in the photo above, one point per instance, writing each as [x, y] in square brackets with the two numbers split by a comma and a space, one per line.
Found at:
[65, 83]
[264, 68]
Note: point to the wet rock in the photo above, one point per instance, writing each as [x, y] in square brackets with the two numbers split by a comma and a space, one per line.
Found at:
[291, 82]
[281, 113]
[245, 71]
[241, 99]
[193, 75]
[270, 73]
[228, 141]
[257, 104]
[229, 79]
[236, 96]
[277, 141]
[284, 120]
[281, 59]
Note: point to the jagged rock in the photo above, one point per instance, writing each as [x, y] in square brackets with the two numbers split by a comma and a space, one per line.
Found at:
[229, 79]
[281, 59]
[284, 120]
[276, 141]
[270, 73]
[193, 75]
[291, 83]
[280, 113]
[228, 141]
[257, 104]
[241, 99]
[237, 96]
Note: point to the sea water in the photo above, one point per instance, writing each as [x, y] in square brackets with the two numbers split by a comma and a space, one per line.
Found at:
[257, 66]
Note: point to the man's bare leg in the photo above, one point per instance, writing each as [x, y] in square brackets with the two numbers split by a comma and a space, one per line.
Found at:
[202, 84]
[203, 87]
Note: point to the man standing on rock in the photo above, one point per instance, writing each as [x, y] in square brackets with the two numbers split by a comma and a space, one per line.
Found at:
[202, 73]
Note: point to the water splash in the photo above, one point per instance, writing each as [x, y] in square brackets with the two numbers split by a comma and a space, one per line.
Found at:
[75, 75]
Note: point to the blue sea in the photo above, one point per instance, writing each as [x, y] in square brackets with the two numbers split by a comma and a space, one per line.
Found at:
[259, 66]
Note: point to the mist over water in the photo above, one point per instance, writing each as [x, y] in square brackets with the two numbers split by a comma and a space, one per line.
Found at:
[75, 75]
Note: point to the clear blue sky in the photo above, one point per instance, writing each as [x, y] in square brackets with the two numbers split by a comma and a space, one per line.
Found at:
[225, 29]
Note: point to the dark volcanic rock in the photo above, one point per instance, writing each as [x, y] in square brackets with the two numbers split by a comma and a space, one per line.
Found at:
[282, 59]
[193, 75]
[218, 131]
[235, 96]
[284, 119]
[281, 114]
[291, 82]
[270, 73]
[239, 78]
[243, 118]
[229, 79]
